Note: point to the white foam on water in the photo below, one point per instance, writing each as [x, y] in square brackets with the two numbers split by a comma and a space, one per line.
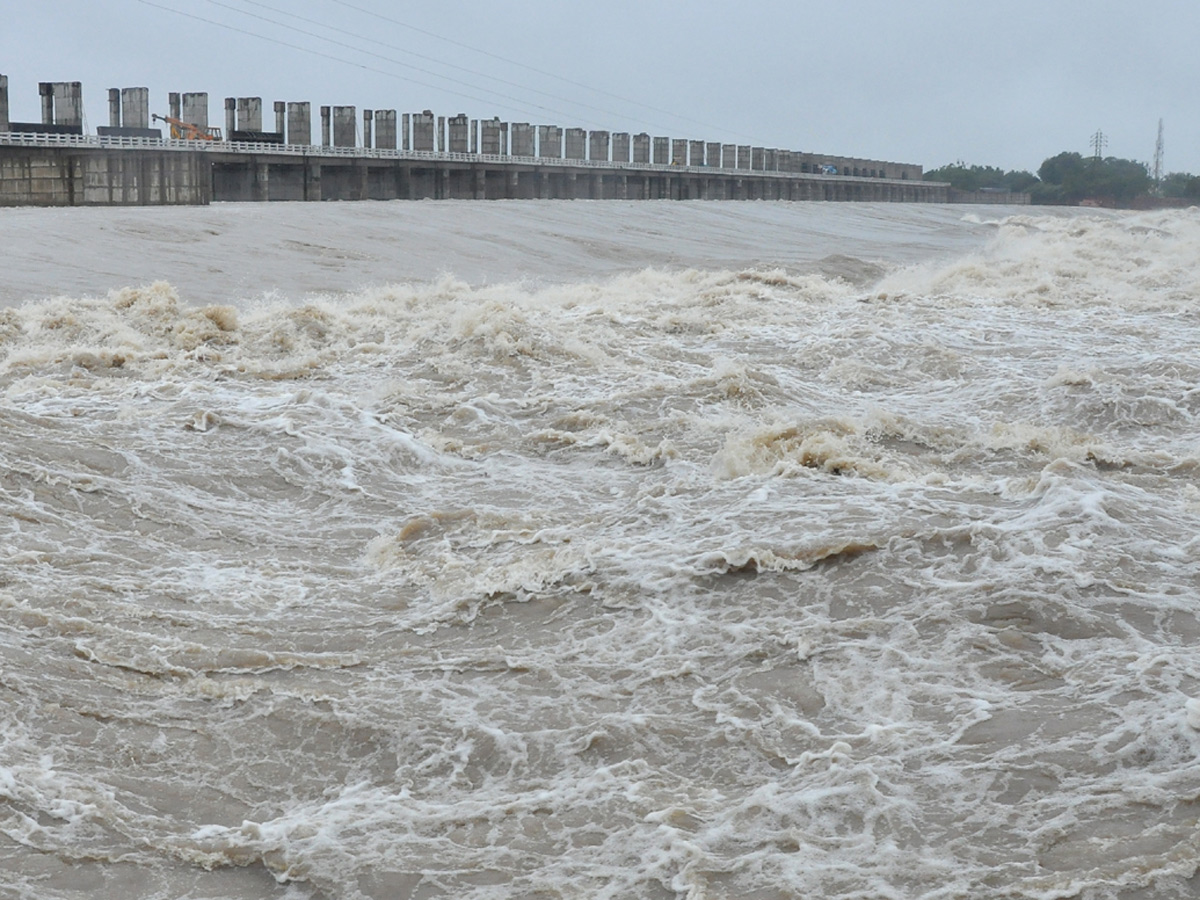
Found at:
[695, 581]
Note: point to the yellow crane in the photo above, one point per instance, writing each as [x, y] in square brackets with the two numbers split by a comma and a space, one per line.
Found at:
[186, 131]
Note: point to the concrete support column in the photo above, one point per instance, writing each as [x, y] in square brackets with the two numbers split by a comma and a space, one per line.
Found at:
[441, 134]
[712, 154]
[504, 139]
[620, 147]
[522, 139]
[281, 118]
[4, 120]
[598, 146]
[262, 181]
[597, 192]
[68, 103]
[571, 180]
[514, 185]
[743, 156]
[405, 134]
[422, 131]
[576, 143]
[299, 123]
[364, 181]
[385, 129]
[114, 108]
[368, 129]
[174, 105]
[622, 186]
[345, 126]
[662, 151]
[695, 153]
[490, 137]
[135, 107]
[473, 133]
[679, 152]
[46, 93]
[460, 138]
[550, 140]
[312, 179]
[194, 109]
[325, 126]
[230, 117]
[478, 182]
[641, 148]
[249, 114]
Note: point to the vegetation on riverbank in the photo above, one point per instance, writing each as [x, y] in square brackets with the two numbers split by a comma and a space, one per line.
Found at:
[1070, 178]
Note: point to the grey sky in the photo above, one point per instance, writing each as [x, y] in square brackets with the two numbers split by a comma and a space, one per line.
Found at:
[1003, 83]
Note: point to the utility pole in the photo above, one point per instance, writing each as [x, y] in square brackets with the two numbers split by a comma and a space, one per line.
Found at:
[1158, 160]
[1099, 142]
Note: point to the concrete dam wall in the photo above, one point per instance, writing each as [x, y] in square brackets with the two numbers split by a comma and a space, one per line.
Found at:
[379, 155]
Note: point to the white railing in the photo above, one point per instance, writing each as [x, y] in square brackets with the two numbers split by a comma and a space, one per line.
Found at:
[114, 142]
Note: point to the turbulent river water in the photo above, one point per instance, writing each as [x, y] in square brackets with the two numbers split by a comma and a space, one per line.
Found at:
[600, 550]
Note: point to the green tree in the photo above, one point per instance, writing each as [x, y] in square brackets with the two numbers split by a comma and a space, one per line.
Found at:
[1070, 178]
[1181, 185]
[1119, 180]
[1062, 176]
[981, 178]
[1020, 180]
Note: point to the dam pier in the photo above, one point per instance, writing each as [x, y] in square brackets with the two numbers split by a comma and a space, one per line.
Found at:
[374, 154]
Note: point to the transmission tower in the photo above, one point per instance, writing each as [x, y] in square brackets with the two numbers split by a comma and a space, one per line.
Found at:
[1158, 159]
[1099, 142]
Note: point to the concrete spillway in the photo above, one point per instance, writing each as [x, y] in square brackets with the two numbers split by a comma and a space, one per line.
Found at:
[412, 156]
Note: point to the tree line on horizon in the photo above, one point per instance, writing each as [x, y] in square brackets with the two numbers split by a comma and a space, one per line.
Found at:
[1070, 178]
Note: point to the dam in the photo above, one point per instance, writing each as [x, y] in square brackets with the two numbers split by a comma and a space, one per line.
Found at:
[376, 154]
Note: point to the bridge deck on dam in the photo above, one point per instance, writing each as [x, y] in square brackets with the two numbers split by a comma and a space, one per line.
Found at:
[89, 170]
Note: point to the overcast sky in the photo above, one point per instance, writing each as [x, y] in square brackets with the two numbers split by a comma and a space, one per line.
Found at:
[1004, 83]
